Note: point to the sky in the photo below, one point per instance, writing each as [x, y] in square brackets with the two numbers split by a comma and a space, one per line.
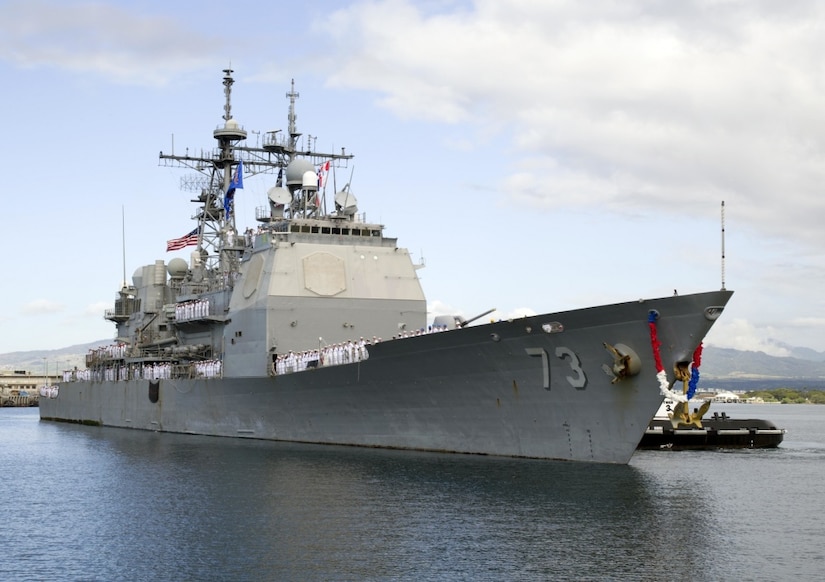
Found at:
[537, 155]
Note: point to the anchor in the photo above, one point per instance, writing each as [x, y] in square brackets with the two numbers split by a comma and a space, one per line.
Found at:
[682, 416]
[625, 362]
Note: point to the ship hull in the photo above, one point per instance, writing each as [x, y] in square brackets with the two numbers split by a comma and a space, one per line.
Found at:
[521, 388]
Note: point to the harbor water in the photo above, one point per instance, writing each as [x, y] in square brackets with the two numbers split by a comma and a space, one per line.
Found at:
[91, 503]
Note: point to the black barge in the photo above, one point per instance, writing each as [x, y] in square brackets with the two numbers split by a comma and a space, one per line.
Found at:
[718, 432]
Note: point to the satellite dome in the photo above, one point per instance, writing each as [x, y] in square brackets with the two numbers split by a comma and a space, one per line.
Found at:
[177, 268]
[231, 130]
[310, 181]
[295, 171]
[137, 277]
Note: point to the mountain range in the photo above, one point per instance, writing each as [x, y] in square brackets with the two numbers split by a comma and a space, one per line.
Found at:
[730, 369]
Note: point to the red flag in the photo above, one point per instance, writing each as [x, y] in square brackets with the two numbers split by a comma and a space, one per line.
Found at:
[322, 171]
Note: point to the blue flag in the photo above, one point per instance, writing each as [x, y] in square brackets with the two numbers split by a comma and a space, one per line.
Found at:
[237, 177]
[234, 183]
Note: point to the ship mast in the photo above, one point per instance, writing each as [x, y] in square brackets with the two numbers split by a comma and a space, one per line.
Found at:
[219, 247]
[226, 233]
[292, 117]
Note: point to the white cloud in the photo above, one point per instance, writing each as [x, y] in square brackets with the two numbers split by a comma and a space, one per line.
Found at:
[436, 308]
[42, 306]
[105, 39]
[740, 334]
[97, 309]
[626, 104]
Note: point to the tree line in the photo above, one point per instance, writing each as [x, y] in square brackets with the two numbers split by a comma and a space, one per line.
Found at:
[789, 396]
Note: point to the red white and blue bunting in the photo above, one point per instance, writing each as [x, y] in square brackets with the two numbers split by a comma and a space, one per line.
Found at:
[661, 375]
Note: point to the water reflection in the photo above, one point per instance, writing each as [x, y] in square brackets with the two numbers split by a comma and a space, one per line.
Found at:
[85, 503]
[216, 508]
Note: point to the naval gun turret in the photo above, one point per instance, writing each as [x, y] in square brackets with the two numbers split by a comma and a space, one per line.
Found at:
[457, 321]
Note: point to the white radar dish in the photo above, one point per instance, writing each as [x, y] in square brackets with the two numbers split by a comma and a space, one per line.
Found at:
[346, 201]
[279, 195]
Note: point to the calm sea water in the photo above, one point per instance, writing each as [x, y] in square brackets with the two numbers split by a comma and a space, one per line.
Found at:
[88, 503]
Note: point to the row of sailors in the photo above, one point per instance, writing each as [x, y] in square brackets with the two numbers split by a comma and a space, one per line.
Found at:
[49, 391]
[422, 331]
[332, 355]
[195, 309]
[110, 352]
[157, 371]
[77, 375]
[208, 369]
[343, 353]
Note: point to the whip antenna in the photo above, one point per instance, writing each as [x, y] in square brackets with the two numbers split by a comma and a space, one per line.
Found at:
[123, 237]
[723, 245]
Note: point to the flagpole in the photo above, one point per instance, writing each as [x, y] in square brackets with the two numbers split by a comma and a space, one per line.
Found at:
[323, 201]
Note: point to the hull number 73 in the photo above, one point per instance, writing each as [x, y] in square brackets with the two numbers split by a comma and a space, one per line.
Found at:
[576, 379]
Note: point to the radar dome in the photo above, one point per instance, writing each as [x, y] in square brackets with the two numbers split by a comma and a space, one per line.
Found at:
[295, 171]
[310, 181]
[177, 268]
[231, 130]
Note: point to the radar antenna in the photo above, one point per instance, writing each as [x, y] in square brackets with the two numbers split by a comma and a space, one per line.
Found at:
[723, 245]
[123, 239]
[292, 117]
[228, 81]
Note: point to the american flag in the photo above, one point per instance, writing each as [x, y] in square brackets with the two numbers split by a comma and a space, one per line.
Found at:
[186, 240]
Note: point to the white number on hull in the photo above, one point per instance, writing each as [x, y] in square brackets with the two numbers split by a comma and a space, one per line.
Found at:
[577, 381]
[580, 380]
[545, 364]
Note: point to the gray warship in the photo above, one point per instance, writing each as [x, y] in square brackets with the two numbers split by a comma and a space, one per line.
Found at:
[313, 328]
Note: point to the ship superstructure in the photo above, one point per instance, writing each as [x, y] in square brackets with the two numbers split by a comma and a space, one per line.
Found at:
[305, 278]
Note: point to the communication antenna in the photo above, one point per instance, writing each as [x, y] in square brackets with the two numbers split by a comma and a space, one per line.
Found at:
[723, 245]
[123, 239]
